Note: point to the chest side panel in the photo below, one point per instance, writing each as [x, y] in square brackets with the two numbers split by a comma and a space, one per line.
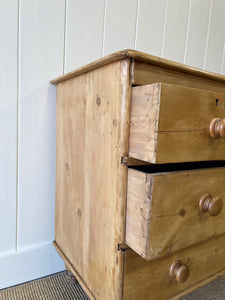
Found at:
[93, 113]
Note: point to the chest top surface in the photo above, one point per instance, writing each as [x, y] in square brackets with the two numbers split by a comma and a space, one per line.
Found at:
[140, 57]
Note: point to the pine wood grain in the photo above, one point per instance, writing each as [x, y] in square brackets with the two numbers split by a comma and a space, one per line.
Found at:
[150, 61]
[163, 213]
[151, 280]
[92, 135]
[146, 73]
[145, 109]
[170, 123]
[71, 268]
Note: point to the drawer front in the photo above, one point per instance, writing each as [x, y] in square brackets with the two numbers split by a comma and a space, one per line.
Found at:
[171, 123]
[167, 212]
[159, 280]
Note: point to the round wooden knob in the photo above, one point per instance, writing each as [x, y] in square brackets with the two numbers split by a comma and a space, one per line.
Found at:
[217, 128]
[179, 271]
[212, 205]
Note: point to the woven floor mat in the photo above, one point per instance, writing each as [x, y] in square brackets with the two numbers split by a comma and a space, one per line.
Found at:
[56, 287]
[212, 291]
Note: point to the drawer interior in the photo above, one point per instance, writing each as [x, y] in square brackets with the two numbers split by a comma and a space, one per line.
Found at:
[171, 167]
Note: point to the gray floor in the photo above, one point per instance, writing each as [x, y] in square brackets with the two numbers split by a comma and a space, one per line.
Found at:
[56, 287]
[211, 291]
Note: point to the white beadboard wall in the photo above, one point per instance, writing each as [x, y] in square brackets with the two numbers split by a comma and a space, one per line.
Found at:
[43, 39]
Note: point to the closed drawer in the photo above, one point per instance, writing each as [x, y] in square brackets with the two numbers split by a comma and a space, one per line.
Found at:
[169, 211]
[170, 123]
[156, 280]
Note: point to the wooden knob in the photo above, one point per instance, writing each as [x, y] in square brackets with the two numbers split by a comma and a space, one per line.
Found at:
[179, 271]
[217, 128]
[212, 205]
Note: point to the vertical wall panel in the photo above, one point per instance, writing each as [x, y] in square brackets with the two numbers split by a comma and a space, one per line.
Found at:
[8, 123]
[223, 61]
[120, 24]
[150, 26]
[84, 32]
[175, 29]
[197, 33]
[41, 59]
[216, 37]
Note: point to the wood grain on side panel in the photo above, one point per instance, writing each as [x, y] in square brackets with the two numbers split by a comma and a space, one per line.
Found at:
[71, 268]
[93, 113]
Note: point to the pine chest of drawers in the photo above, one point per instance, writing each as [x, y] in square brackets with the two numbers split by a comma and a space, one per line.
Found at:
[140, 175]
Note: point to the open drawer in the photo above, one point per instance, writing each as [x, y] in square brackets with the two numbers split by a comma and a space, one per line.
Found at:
[169, 211]
[172, 123]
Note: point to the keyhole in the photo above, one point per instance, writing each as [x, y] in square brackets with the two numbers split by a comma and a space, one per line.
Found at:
[217, 102]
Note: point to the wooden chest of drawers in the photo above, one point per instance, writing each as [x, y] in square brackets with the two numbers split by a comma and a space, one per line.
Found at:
[140, 177]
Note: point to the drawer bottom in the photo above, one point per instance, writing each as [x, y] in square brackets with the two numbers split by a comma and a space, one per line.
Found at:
[152, 280]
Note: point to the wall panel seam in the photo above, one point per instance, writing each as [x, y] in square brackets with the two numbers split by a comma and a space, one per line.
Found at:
[136, 25]
[18, 123]
[222, 64]
[65, 36]
[187, 32]
[207, 39]
[164, 27]
[104, 28]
